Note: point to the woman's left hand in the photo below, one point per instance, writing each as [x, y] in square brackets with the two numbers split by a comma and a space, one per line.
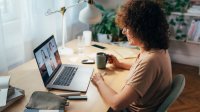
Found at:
[97, 78]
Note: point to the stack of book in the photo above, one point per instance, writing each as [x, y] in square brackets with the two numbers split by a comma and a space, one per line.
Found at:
[13, 95]
[8, 94]
[194, 31]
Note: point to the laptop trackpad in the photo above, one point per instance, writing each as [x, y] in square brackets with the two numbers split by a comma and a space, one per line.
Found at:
[82, 78]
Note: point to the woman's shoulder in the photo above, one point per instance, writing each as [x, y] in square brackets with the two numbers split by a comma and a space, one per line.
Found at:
[153, 55]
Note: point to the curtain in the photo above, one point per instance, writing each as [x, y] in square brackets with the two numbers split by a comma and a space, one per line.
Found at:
[24, 25]
[3, 64]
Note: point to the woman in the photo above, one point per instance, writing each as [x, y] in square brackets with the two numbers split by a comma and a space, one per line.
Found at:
[150, 77]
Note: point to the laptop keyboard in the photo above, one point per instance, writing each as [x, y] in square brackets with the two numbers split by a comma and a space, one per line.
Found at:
[66, 76]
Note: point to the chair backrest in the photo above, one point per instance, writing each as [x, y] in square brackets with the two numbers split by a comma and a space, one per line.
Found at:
[177, 87]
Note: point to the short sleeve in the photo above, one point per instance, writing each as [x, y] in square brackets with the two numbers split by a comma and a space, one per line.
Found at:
[142, 77]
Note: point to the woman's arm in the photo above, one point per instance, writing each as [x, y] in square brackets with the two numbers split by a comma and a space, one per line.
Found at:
[124, 65]
[117, 101]
[113, 60]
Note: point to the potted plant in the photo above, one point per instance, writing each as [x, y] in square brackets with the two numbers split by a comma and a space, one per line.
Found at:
[106, 31]
[176, 22]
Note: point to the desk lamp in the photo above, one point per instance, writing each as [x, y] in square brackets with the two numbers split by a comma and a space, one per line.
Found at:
[89, 15]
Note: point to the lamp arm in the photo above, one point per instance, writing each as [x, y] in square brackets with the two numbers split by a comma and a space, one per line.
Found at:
[75, 4]
[63, 9]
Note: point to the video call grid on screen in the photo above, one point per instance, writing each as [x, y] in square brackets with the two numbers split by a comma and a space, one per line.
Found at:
[48, 59]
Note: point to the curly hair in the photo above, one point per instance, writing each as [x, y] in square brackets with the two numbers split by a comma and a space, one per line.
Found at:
[147, 21]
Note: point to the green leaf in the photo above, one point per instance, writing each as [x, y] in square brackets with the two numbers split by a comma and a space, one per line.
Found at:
[99, 6]
[184, 35]
[107, 25]
[172, 22]
[178, 37]
[178, 31]
[184, 24]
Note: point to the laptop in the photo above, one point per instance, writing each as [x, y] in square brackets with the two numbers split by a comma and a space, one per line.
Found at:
[56, 75]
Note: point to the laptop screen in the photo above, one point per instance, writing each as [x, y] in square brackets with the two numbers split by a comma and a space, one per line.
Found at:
[48, 58]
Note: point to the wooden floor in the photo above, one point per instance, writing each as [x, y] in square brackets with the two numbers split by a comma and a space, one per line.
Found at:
[189, 100]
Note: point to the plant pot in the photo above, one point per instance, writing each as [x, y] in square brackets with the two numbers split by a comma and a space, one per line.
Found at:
[104, 38]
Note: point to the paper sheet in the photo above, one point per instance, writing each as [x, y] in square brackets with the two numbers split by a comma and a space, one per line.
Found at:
[123, 53]
[127, 52]
[4, 84]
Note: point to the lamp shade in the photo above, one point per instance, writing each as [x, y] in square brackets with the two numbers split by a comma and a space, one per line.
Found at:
[90, 15]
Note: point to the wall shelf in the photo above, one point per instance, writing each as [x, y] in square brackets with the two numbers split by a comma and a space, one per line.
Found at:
[186, 14]
[185, 41]
[193, 42]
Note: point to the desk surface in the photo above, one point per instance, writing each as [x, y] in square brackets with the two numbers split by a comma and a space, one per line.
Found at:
[27, 77]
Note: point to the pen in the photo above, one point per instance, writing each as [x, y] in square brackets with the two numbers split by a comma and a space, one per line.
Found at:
[69, 94]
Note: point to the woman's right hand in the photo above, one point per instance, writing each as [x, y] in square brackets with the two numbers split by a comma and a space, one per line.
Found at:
[113, 60]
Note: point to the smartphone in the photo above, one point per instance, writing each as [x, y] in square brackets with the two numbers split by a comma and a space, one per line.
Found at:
[98, 46]
[88, 61]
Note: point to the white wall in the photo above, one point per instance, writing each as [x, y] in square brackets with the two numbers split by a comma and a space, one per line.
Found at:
[185, 53]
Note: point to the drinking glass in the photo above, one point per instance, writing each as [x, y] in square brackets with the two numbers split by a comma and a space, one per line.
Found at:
[80, 45]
